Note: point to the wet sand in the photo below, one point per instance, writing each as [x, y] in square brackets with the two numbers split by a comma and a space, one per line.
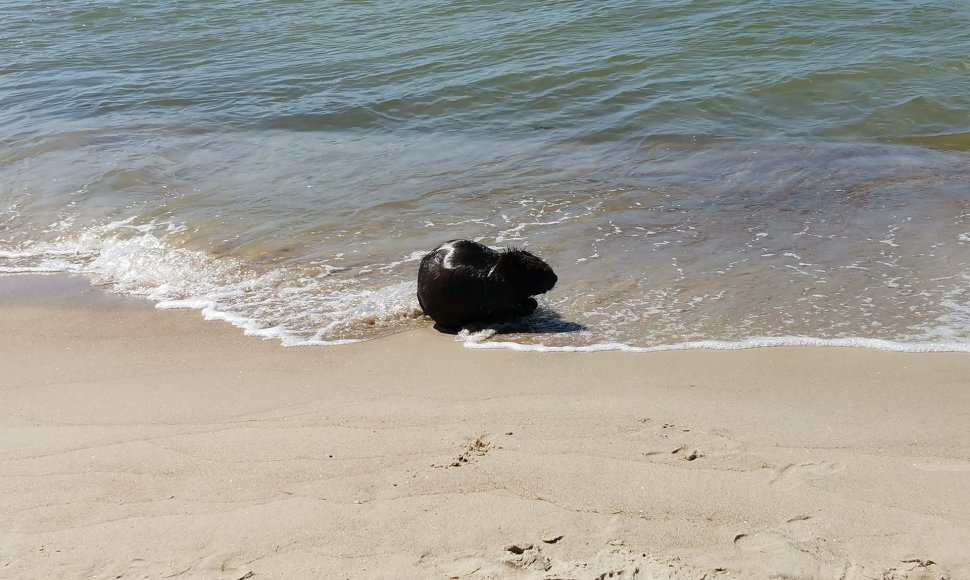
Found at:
[136, 443]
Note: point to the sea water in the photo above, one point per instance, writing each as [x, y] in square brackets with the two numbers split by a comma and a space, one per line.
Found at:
[701, 174]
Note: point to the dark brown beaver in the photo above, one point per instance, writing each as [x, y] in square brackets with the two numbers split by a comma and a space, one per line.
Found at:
[462, 281]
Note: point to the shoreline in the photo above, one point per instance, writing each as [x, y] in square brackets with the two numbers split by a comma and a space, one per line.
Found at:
[141, 442]
[60, 289]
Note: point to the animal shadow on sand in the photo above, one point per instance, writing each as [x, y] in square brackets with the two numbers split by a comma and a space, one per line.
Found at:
[542, 321]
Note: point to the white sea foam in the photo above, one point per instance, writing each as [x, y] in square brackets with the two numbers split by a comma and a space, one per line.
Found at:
[29, 270]
[283, 303]
[480, 341]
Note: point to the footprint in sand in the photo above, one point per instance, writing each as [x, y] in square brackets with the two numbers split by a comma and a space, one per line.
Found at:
[795, 531]
[681, 446]
[796, 474]
[615, 563]
[681, 452]
[912, 569]
[918, 569]
[673, 443]
[477, 448]
[797, 548]
[761, 542]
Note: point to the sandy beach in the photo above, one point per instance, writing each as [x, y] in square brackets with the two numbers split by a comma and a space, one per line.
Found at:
[137, 442]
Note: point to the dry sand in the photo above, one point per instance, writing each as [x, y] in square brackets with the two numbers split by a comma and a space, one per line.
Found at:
[143, 443]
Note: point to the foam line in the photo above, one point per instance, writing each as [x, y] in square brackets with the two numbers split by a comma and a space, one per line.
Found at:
[756, 342]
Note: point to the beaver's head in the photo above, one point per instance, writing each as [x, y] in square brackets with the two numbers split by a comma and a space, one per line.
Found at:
[526, 273]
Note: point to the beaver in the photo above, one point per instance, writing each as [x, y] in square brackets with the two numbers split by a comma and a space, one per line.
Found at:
[462, 281]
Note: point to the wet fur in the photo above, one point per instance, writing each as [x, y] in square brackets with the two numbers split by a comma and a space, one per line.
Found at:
[461, 282]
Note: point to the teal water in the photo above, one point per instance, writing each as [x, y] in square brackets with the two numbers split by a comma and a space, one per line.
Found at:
[886, 71]
[704, 171]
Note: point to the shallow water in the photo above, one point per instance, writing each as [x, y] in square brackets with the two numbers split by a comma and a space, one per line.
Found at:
[698, 174]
